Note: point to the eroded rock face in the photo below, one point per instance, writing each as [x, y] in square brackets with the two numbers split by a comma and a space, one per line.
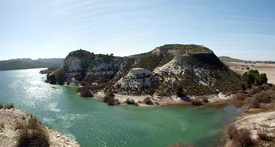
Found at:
[176, 66]
[82, 65]
[137, 78]
[163, 68]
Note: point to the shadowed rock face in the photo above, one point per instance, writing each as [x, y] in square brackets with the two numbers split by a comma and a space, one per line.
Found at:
[165, 66]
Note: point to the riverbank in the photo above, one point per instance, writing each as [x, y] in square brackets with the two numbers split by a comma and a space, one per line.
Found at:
[12, 122]
[255, 125]
[164, 101]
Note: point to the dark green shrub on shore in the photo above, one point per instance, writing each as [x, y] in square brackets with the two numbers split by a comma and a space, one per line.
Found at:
[253, 77]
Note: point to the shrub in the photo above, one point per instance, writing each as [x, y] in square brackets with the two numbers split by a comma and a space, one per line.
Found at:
[179, 90]
[130, 102]
[110, 99]
[148, 101]
[86, 93]
[196, 102]
[237, 100]
[241, 92]
[265, 87]
[8, 106]
[33, 134]
[263, 97]
[231, 131]
[1, 106]
[11, 105]
[263, 135]
[254, 103]
[205, 100]
[242, 137]
[255, 90]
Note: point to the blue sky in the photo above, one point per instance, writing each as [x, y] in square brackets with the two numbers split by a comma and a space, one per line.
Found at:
[242, 29]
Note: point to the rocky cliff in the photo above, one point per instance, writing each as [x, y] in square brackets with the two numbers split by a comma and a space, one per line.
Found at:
[164, 71]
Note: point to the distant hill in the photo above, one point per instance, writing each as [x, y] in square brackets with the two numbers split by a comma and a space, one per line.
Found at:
[229, 59]
[27, 63]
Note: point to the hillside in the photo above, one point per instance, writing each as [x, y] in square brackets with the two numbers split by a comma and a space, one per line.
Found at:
[229, 59]
[168, 70]
[27, 63]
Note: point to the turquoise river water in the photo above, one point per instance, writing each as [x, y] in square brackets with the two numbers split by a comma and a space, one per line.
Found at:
[93, 123]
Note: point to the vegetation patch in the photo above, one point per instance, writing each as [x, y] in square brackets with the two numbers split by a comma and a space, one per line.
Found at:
[32, 134]
[110, 99]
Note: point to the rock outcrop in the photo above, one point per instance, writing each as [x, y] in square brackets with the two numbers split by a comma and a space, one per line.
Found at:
[12, 122]
[195, 68]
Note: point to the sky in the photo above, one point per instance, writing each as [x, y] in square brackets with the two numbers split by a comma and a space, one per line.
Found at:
[243, 29]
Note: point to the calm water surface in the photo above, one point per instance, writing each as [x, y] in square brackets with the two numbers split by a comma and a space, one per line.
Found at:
[93, 123]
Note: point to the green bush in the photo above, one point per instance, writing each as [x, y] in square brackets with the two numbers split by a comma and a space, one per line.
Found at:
[253, 77]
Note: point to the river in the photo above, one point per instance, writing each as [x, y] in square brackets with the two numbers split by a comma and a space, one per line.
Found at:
[94, 123]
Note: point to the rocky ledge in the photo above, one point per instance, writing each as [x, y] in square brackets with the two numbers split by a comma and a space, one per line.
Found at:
[14, 123]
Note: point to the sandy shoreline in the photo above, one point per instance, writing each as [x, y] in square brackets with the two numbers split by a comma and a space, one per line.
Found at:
[164, 101]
